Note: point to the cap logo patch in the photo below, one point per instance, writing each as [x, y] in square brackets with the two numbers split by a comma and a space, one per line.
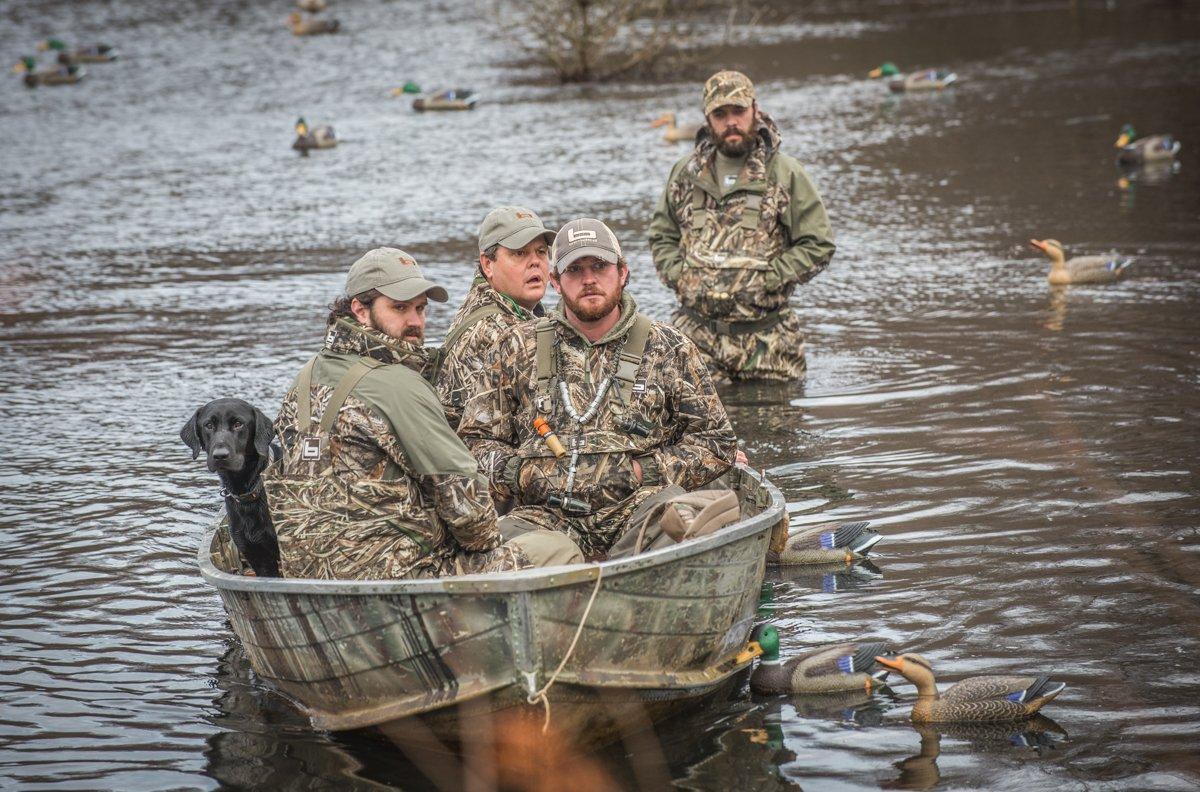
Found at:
[524, 216]
[576, 234]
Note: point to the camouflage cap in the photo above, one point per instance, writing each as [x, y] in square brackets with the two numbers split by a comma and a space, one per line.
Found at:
[514, 227]
[727, 88]
[584, 236]
[394, 273]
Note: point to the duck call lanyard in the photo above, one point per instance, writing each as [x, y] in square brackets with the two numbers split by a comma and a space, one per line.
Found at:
[623, 379]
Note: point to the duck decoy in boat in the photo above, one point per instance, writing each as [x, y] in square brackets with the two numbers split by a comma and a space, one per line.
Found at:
[302, 26]
[62, 75]
[95, 53]
[1081, 269]
[318, 137]
[826, 544]
[673, 133]
[1152, 148]
[843, 666]
[974, 699]
[924, 80]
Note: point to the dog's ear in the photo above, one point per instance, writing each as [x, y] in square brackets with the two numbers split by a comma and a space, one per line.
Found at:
[264, 432]
[190, 433]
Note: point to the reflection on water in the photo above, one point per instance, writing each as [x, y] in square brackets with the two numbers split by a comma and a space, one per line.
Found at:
[1028, 455]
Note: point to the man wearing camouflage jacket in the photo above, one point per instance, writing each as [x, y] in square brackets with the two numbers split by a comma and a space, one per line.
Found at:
[373, 483]
[738, 228]
[630, 400]
[514, 262]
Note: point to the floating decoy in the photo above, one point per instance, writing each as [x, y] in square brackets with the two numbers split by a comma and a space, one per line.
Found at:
[311, 6]
[924, 80]
[409, 87]
[449, 99]
[975, 699]
[318, 137]
[311, 27]
[96, 53]
[1153, 148]
[843, 666]
[63, 75]
[827, 544]
[675, 134]
[1081, 269]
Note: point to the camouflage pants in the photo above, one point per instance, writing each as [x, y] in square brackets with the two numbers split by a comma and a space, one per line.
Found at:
[774, 354]
[594, 534]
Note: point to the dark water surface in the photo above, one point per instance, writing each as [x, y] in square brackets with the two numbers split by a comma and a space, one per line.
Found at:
[1029, 454]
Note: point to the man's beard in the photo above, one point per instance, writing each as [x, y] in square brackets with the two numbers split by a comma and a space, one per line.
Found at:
[411, 335]
[739, 147]
[593, 314]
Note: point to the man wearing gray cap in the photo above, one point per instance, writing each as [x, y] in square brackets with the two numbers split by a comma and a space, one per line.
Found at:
[373, 482]
[630, 399]
[514, 262]
[738, 228]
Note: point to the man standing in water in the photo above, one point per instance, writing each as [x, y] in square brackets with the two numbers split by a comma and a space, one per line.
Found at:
[630, 398]
[373, 482]
[514, 268]
[738, 227]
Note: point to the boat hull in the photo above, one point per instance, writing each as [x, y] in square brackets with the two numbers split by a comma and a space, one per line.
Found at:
[665, 627]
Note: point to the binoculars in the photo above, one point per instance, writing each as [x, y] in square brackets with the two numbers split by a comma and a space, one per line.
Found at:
[572, 507]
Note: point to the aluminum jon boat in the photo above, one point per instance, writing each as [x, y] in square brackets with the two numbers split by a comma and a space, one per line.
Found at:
[601, 643]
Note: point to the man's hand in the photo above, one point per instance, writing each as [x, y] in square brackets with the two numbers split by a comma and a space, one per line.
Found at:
[637, 471]
[741, 459]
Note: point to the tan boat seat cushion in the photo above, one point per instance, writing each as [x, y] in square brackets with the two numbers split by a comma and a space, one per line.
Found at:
[674, 515]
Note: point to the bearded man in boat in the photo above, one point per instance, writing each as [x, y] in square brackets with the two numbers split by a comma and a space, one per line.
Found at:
[514, 268]
[373, 483]
[738, 228]
[629, 399]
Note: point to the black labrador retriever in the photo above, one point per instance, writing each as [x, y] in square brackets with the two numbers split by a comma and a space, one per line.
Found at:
[237, 437]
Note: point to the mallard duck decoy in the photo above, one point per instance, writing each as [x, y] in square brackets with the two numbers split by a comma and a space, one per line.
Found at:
[843, 666]
[1081, 269]
[96, 53]
[311, 6]
[974, 699]
[448, 99]
[311, 27]
[1153, 148]
[318, 137]
[924, 80]
[409, 87]
[63, 75]
[827, 544]
[673, 133]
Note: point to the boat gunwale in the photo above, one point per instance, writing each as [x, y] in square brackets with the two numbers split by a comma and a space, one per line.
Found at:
[525, 580]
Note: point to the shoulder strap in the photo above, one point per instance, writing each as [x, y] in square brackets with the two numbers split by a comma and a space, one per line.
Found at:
[469, 321]
[546, 368]
[631, 355]
[346, 384]
[304, 397]
[750, 213]
[699, 213]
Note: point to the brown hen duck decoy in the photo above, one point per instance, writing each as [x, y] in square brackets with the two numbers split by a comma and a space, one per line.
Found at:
[1081, 269]
[843, 666]
[826, 544]
[311, 26]
[673, 133]
[981, 699]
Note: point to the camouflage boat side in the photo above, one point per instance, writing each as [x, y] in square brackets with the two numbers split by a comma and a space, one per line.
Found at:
[666, 625]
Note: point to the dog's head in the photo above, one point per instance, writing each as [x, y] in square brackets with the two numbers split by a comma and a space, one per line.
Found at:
[231, 431]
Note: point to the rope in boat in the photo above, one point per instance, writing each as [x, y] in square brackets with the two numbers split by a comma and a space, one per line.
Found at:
[540, 695]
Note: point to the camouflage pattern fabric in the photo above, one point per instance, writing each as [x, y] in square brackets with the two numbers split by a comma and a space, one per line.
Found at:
[396, 495]
[727, 88]
[463, 361]
[688, 438]
[726, 268]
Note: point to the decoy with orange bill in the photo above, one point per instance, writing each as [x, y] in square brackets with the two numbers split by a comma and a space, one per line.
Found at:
[1152, 148]
[1081, 269]
[673, 133]
[980, 699]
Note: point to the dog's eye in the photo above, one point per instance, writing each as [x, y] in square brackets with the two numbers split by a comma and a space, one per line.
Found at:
[236, 424]
[211, 423]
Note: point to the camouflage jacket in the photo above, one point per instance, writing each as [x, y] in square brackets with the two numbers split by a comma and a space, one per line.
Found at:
[685, 438]
[721, 260]
[461, 358]
[403, 495]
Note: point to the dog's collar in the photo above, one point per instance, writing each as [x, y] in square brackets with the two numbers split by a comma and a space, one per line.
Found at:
[254, 494]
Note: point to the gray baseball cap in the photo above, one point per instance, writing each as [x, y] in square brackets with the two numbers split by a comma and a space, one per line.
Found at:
[394, 273]
[584, 236]
[514, 227]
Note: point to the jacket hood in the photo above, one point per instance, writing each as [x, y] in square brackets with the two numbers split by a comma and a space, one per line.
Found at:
[348, 337]
[628, 314]
[767, 142]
